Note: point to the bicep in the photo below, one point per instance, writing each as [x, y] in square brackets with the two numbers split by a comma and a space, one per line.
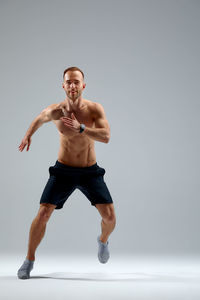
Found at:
[100, 118]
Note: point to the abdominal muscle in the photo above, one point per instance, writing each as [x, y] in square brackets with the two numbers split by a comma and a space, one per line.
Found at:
[76, 153]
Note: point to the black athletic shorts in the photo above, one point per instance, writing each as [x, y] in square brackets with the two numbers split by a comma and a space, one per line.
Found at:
[64, 179]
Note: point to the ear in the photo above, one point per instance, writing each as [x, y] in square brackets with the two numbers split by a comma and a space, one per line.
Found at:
[84, 85]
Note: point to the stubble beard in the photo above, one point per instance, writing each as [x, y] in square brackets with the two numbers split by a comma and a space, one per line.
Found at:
[74, 97]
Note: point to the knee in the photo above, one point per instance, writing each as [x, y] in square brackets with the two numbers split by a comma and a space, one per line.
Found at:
[44, 214]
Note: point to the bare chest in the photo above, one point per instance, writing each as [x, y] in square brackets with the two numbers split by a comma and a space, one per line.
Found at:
[83, 116]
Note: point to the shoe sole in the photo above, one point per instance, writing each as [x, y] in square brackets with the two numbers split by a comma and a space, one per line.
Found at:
[23, 277]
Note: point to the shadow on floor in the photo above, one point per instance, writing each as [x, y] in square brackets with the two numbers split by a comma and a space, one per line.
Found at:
[143, 277]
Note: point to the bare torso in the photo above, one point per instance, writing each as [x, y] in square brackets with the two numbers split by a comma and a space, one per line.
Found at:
[75, 149]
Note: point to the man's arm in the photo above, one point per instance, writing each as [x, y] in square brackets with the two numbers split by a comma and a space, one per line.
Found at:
[46, 115]
[102, 131]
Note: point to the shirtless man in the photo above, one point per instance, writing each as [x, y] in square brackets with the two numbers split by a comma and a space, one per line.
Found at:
[80, 123]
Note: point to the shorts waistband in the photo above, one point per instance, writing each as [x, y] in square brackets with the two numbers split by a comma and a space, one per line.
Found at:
[64, 166]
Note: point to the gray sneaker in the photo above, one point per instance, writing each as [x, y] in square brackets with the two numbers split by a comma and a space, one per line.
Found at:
[25, 269]
[103, 252]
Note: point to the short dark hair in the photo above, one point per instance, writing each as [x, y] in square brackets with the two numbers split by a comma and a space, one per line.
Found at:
[72, 69]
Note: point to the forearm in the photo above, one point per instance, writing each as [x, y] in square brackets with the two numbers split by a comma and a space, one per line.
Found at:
[97, 134]
[37, 122]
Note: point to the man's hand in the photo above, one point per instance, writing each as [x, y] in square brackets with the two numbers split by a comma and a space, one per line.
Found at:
[71, 123]
[26, 141]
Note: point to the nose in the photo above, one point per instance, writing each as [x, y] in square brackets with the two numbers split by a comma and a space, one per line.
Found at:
[72, 85]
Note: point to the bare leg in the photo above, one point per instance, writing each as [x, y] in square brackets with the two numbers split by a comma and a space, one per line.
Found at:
[108, 222]
[106, 228]
[38, 228]
[36, 234]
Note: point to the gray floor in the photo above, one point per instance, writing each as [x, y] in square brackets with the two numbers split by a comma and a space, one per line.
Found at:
[75, 277]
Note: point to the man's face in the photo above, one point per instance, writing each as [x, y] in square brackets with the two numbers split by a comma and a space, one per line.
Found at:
[73, 84]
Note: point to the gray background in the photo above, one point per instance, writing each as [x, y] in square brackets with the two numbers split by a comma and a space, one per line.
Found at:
[141, 62]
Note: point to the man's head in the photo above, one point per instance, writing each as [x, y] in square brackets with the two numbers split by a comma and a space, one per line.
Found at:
[73, 82]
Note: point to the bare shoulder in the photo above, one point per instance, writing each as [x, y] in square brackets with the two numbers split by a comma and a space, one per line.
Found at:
[97, 110]
[53, 111]
[99, 116]
[95, 107]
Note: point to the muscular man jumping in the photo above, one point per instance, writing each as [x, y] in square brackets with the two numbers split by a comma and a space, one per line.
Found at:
[80, 123]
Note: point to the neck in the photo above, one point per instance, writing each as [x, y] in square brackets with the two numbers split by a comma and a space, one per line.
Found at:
[74, 105]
